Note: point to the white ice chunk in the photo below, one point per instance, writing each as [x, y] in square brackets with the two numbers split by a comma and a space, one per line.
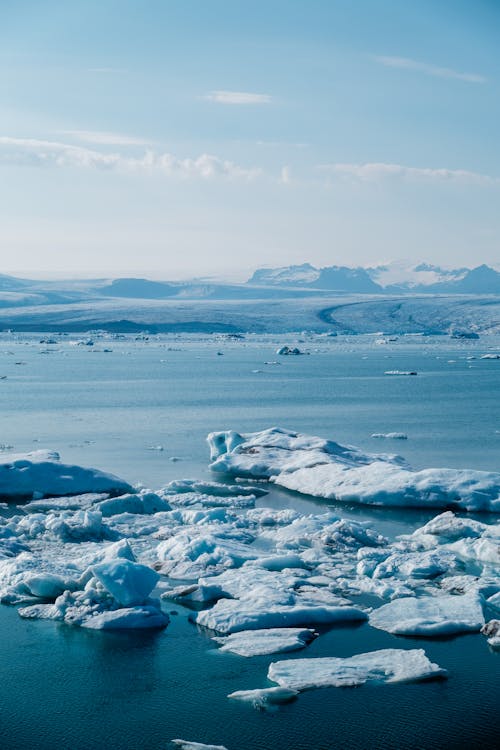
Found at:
[232, 616]
[492, 631]
[186, 745]
[430, 615]
[267, 641]
[128, 582]
[262, 698]
[138, 618]
[40, 474]
[386, 665]
[322, 468]
[146, 503]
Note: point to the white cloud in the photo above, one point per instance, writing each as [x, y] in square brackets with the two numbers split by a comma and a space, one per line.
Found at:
[407, 63]
[104, 138]
[376, 171]
[286, 175]
[35, 152]
[237, 97]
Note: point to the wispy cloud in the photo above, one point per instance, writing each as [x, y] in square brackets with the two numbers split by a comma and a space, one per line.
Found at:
[104, 138]
[237, 97]
[377, 171]
[36, 152]
[407, 63]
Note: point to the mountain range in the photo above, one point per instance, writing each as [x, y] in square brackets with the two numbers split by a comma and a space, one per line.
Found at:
[294, 281]
[393, 278]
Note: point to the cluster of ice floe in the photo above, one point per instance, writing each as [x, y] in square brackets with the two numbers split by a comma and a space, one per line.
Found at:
[323, 468]
[260, 580]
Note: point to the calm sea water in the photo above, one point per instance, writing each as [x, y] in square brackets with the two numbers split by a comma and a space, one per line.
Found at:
[62, 687]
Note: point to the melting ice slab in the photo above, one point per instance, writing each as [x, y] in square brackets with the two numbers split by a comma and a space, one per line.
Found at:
[267, 641]
[41, 474]
[323, 468]
[386, 665]
[430, 615]
[265, 697]
[186, 745]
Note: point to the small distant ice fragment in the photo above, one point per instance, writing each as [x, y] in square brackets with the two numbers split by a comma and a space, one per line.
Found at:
[186, 745]
[490, 356]
[461, 334]
[386, 665]
[391, 435]
[155, 448]
[265, 698]
[289, 350]
[400, 372]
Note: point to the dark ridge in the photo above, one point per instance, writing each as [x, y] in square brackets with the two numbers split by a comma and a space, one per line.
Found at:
[121, 326]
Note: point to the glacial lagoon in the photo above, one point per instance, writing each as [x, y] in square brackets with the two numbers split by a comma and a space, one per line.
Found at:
[141, 407]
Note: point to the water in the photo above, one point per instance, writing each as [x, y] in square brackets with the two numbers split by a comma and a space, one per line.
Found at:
[68, 688]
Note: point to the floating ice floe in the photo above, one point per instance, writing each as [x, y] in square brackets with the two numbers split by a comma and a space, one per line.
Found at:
[386, 665]
[266, 641]
[265, 698]
[41, 474]
[323, 468]
[232, 616]
[430, 615]
[186, 745]
[492, 631]
[390, 435]
[400, 372]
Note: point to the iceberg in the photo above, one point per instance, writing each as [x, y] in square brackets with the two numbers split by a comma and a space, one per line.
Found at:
[266, 641]
[430, 615]
[323, 468]
[128, 582]
[41, 474]
[386, 665]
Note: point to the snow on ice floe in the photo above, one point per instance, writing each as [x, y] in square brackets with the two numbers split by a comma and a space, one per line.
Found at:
[41, 474]
[267, 641]
[323, 468]
[386, 665]
[430, 615]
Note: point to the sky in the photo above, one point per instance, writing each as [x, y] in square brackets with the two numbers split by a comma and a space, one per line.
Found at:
[191, 138]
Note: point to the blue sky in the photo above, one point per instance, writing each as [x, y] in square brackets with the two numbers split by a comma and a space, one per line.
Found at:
[174, 138]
